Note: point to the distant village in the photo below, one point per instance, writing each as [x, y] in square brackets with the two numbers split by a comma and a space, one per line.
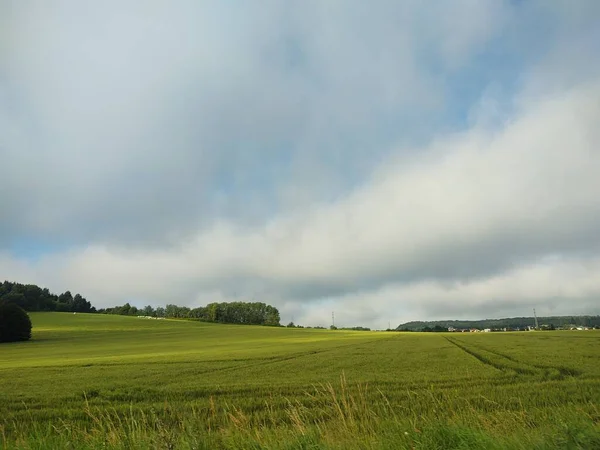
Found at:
[527, 328]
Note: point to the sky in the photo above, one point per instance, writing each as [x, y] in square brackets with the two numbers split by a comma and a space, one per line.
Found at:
[387, 161]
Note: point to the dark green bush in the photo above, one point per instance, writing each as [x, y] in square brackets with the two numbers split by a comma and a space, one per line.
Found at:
[15, 324]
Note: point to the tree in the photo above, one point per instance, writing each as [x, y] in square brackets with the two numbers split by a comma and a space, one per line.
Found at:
[178, 312]
[15, 297]
[34, 298]
[80, 304]
[272, 317]
[254, 313]
[124, 310]
[199, 313]
[15, 324]
[66, 298]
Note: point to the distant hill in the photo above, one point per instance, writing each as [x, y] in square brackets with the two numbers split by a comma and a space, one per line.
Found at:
[514, 322]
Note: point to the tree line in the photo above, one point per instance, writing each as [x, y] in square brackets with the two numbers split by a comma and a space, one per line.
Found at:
[254, 313]
[34, 298]
[511, 323]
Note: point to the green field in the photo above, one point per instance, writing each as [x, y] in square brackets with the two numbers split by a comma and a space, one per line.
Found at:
[99, 381]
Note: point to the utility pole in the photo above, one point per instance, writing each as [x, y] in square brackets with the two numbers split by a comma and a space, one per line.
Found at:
[536, 321]
[332, 319]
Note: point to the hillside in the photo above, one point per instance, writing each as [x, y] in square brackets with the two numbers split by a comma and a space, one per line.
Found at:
[122, 382]
[513, 323]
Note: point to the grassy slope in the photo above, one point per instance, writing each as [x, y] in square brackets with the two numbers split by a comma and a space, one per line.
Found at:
[73, 339]
[530, 388]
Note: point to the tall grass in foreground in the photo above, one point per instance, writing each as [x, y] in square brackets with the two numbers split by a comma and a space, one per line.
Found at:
[340, 416]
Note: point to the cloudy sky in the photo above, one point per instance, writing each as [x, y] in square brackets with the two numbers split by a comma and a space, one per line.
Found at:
[386, 160]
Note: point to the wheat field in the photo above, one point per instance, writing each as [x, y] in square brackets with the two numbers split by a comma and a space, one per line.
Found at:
[100, 381]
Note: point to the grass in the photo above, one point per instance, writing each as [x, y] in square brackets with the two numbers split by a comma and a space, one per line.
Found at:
[95, 381]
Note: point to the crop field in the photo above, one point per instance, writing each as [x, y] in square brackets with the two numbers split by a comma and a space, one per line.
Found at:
[98, 381]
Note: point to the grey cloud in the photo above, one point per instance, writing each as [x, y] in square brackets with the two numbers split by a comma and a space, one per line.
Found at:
[554, 286]
[142, 124]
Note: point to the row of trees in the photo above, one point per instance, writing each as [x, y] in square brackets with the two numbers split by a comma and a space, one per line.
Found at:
[34, 298]
[512, 323]
[255, 313]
